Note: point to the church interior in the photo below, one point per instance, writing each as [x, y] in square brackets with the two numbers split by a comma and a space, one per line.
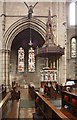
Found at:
[38, 60]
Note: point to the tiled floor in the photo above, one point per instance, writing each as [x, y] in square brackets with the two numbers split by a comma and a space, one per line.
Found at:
[26, 113]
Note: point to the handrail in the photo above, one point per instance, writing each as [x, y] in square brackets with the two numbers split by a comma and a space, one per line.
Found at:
[52, 107]
[5, 99]
[70, 93]
[46, 109]
[69, 99]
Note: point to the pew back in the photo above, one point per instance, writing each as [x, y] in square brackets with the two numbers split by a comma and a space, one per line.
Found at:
[44, 108]
[47, 110]
[3, 105]
[14, 113]
[69, 102]
[2, 91]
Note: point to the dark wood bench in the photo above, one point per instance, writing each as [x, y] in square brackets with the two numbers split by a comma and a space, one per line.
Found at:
[31, 91]
[69, 104]
[4, 105]
[68, 114]
[2, 91]
[14, 113]
[15, 95]
[15, 98]
[45, 110]
[11, 111]
[35, 116]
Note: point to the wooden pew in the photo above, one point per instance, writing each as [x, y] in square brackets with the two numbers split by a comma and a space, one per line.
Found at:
[69, 104]
[68, 114]
[31, 91]
[4, 105]
[15, 97]
[2, 91]
[14, 113]
[45, 110]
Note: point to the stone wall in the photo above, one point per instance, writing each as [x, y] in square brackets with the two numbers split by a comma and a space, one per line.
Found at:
[14, 11]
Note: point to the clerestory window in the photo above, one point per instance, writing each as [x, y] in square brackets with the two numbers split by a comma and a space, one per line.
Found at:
[72, 13]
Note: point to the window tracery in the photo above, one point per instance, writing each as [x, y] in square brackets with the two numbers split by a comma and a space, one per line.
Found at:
[73, 47]
[31, 60]
[21, 60]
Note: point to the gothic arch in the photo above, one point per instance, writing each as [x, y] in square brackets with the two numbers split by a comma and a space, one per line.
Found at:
[20, 25]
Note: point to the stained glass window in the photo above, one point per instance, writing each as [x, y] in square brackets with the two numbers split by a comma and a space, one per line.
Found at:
[21, 60]
[31, 60]
[73, 47]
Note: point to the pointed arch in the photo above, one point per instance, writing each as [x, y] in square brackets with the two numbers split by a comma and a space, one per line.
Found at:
[20, 25]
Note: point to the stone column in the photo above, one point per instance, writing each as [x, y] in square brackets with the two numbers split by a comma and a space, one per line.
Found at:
[46, 62]
[60, 70]
[2, 52]
[65, 37]
[57, 69]
[7, 67]
[2, 43]
[51, 64]
[54, 63]
[3, 67]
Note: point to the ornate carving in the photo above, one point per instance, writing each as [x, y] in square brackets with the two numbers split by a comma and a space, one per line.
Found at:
[30, 9]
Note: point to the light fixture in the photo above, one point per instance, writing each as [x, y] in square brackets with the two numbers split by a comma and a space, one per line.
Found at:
[31, 55]
[30, 41]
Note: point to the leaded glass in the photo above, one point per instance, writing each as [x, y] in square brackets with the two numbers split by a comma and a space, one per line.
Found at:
[31, 60]
[73, 47]
[21, 60]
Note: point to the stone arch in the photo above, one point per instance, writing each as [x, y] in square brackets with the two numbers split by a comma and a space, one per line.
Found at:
[20, 25]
